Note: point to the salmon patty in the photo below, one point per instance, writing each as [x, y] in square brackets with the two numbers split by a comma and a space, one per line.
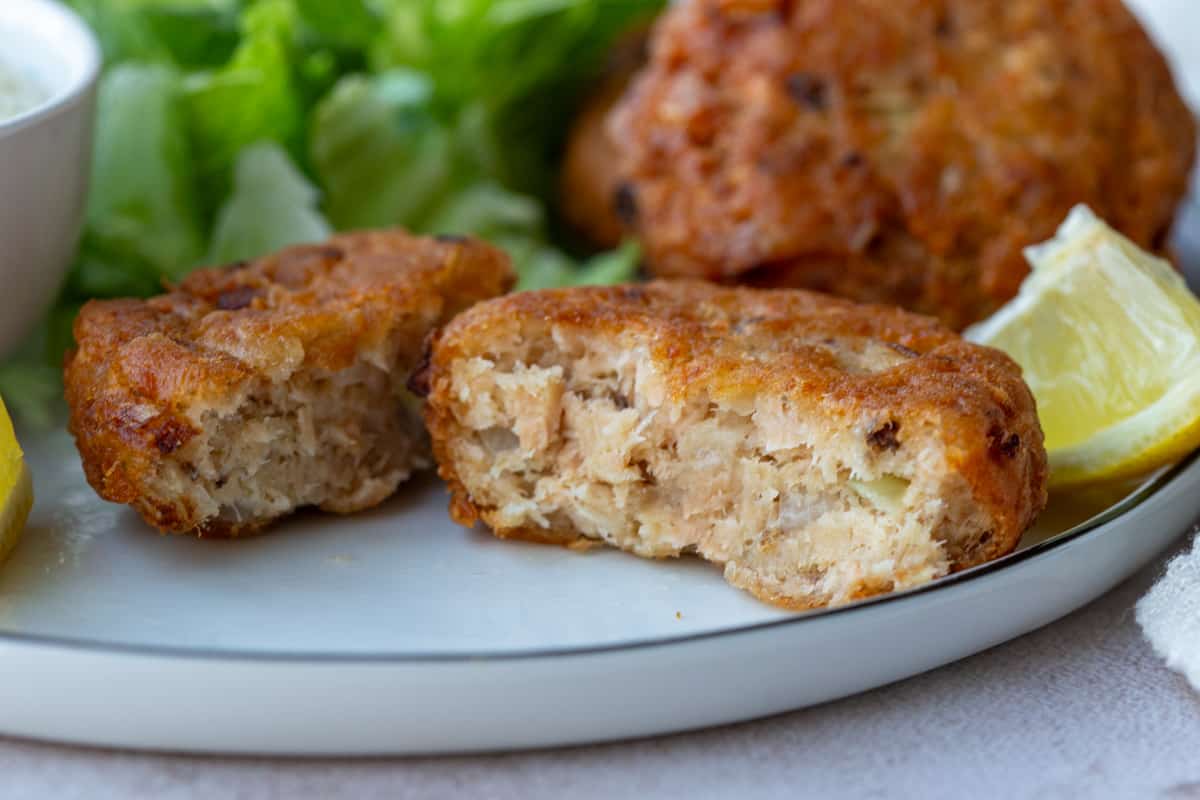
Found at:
[818, 450]
[896, 151]
[250, 391]
[592, 196]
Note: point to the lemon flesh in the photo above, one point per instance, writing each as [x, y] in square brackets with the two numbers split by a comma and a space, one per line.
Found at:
[1108, 337]
[16, 487]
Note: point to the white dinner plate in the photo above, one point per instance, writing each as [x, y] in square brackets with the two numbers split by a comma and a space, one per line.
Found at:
[397, 632]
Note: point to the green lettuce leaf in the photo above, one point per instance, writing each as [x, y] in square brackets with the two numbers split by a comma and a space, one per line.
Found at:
[187, 33]
[142, 218]
[385, 159]
[193, 36]
[488, 210]
[251, 99]
[272, 206]
[379, 153]
[500, 51]
[31, 379]
[32, 391]
[345, 23]
[615, 266]
[521, 64]
[543, 267]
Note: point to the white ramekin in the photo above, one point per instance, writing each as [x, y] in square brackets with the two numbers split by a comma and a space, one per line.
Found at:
[45, 157]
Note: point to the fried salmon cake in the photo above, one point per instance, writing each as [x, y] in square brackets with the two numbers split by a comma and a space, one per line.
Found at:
[594, 199]
[898, 151]
[251, 391]
[821, 451]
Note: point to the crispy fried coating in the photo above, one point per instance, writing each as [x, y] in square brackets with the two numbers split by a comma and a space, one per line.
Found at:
[899, 151]
[819, 450]
[252, 390]
[593, 198]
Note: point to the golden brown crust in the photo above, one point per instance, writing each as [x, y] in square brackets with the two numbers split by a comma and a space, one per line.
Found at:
[142, 367]
[770, 595]
[732, 345]
[896, 151]
[592, 190]
[569, 539]
[593, 198]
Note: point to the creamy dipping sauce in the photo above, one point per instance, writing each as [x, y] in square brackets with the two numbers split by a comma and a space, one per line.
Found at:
[18, 92]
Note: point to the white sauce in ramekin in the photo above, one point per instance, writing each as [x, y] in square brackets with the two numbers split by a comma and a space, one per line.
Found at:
[19, 92]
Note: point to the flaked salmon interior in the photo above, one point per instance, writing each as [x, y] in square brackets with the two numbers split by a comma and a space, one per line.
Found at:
[578, 438]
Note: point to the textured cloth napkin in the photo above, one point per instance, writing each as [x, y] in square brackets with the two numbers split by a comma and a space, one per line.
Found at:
[1170, 614]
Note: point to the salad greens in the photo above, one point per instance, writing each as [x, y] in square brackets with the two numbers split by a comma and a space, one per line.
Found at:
[227, 128]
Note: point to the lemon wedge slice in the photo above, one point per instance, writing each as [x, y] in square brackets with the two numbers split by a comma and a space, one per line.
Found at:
[16, 487]
[1108, 337]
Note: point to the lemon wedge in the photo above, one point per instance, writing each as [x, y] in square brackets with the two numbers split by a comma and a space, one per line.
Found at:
[1108, 337]
[16, 487]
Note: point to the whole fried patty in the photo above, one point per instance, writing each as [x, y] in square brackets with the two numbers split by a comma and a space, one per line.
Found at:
[253, 390]
[819, 450]
[899, 151]
[592, 197]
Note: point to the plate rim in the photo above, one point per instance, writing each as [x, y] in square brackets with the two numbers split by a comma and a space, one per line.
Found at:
[1095, 525]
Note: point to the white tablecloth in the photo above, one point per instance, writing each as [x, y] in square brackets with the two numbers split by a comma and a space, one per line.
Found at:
[1079, 709]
